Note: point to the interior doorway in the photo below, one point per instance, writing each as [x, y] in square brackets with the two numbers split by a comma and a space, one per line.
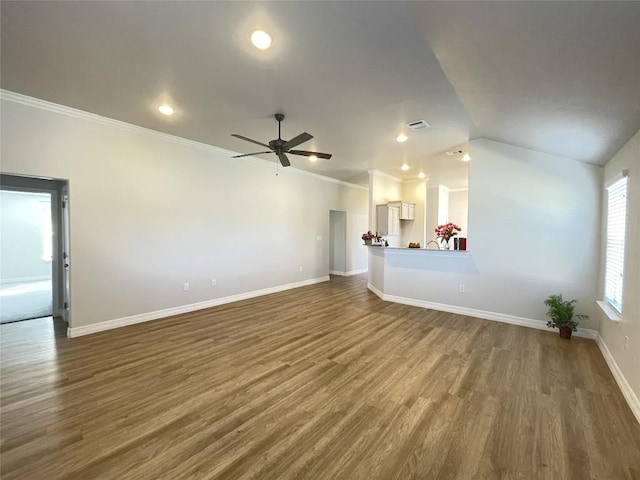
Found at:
[26, 246]
[337, 242]
[34, 249]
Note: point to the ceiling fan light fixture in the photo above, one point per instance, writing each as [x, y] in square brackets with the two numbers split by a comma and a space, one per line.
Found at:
[404, 167]
[313, 158]
[421, 175]
[466, 157]
[166, 109]
[402, 138]
[261, 39]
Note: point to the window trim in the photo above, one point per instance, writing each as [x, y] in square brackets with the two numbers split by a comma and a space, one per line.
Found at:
[608, 307]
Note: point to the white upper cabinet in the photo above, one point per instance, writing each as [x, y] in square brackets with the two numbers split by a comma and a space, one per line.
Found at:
[407, 210]
[388, 220]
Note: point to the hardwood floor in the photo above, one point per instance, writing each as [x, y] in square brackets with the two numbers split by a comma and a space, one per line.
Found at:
[321, 382]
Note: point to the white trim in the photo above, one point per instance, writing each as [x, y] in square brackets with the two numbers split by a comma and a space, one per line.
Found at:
[378, 293]
[357, 272]
[618, 176]
[426, 251]
[461, 189]
[472, 312]
[385, 175]
[92, 117]
[37, 278]
[168, 312]
[416, 180]
[625, 388]
[349, 273]
[610, 312]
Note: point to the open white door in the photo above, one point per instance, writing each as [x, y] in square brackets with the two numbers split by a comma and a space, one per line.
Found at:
[64, 204]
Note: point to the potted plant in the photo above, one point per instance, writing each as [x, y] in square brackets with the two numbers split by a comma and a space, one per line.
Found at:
[561, 313]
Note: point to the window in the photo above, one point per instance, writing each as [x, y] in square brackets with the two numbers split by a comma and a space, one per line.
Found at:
[616, 223]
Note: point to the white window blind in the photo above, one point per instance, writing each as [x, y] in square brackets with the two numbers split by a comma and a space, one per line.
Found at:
[616, 223]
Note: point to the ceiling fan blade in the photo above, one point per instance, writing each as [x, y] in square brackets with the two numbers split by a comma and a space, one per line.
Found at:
[303, 137]
[249, 140]
[284, 160]
[249, 154]
[305, 153]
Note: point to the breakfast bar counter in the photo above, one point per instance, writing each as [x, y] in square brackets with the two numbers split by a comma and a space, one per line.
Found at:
[403, 274]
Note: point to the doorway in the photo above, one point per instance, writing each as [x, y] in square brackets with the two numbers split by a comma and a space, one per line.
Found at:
[26, 246]
[338, 242]
[33, 244]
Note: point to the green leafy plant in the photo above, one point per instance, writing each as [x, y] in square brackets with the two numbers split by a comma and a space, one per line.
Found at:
[561, 313]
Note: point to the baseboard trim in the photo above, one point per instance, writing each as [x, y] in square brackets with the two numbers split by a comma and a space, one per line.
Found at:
[357, 272]
[625, 388]
[169, 312]
[472, 312]
[349, 273]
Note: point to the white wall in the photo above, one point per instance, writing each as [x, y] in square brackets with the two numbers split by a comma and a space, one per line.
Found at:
[149, 213]
[21, 236]
[459, 210]
[535, 223]
[383, 189]
[613, 333]
[445, 205]
[433, 194]
[355, 201]
[413, 230]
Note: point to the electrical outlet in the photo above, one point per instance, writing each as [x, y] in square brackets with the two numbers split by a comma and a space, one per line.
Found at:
[300, 267]
[461, 288]
[186, 287]
[319, 237]
[214, 282]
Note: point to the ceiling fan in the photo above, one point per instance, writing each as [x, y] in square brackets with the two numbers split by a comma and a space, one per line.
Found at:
[281, 147]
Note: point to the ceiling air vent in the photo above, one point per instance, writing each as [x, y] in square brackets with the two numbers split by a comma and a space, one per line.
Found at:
[417, 125]
[452, 153]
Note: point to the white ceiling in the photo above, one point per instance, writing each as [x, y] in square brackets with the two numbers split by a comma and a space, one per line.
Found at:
[558, 77]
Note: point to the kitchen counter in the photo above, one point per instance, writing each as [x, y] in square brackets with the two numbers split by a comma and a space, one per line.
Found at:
[418, 273]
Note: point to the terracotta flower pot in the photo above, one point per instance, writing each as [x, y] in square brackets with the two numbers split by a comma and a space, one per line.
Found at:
[565, 332]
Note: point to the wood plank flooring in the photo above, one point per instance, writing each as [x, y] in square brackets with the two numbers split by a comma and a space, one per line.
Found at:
[320, 382]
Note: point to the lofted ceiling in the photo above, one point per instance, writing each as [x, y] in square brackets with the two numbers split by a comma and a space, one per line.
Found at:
[557, 77]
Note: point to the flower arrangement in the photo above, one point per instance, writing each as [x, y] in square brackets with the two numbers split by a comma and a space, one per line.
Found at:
[370, 236]
[447, 231]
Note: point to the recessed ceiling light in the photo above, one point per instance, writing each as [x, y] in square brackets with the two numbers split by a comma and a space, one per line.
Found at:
[261, 39]
[402, 138]
[466, 157]
[405, 167]
[312, 158]
[166, 110]
[421, 175]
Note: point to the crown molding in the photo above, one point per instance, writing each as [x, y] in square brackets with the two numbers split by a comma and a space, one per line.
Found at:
[416, 180]
[378, 173]
[45, 105]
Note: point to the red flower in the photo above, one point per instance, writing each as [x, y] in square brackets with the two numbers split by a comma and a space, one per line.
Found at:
[447, 231]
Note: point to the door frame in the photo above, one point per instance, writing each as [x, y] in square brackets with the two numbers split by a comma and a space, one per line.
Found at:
[336, 243]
